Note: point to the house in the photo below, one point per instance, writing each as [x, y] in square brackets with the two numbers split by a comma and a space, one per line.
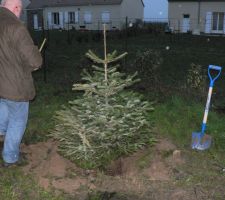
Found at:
[199, 16]
[23, 16]
[83, 14]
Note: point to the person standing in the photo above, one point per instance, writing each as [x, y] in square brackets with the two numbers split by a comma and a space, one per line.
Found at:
[18, 58]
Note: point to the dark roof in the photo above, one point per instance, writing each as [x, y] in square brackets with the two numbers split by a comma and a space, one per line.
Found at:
[58, 3]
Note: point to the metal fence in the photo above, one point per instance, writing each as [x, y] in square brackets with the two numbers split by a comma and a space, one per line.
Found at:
[71, 34]
[154, 31]
[196, 26]
[183, 25]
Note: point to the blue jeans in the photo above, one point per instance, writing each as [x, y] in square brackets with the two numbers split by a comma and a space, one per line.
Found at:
[13, 121]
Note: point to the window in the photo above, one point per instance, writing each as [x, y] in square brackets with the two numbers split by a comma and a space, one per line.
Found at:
[186, 16]
[55, 18]
[217, 23]
[87, 17]
[105, 17]
[71, 17]
[76, 16]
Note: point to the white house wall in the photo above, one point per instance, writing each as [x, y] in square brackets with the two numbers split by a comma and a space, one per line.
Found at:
[96, 11]
[177, 9]
[211, 7]
[176, 12]
[133, 9]
[23, 16]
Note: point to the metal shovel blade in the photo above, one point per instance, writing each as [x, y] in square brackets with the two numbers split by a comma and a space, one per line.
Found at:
[199, 142]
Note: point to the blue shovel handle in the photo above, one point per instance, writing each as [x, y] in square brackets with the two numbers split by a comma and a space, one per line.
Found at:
[212, 80]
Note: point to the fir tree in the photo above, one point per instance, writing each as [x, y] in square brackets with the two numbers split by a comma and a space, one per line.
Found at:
[108, 120]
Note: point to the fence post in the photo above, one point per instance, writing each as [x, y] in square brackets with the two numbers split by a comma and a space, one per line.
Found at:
[43, 27]
[68, 34]
[179, 26]
[126, 33]
[48, 36]
[45, 65]
[44, 50]
[98, 25]
[48, 33]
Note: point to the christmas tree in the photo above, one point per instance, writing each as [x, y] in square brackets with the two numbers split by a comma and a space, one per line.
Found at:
[107, 120]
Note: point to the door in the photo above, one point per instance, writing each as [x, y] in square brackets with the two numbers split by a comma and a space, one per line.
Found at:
[218, 22]
[186, 23]
[35, 19]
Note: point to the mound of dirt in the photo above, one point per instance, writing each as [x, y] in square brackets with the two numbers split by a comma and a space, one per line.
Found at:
[130, 175]
[51, 169]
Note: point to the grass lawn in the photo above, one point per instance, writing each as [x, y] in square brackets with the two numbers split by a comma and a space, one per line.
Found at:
[176, 114]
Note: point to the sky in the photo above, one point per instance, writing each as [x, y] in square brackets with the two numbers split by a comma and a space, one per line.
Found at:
[156, 8]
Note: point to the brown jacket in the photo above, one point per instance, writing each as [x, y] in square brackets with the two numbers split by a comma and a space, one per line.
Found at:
[18, 58]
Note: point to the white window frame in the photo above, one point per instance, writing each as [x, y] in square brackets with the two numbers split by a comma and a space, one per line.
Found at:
[208, 22]
[218, 18]
[35, 21]
[49, 21]
[77, 13]
[87, 17]
[105, 17]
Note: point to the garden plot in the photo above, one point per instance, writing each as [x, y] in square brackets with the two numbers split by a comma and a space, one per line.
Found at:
[155, 172]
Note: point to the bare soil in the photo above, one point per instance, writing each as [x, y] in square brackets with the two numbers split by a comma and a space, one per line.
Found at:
[160, 172]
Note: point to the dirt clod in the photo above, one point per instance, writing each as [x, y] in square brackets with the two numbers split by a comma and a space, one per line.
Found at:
[177, 157]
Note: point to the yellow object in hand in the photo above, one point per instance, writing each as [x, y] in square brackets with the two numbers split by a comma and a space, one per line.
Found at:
[42, 45]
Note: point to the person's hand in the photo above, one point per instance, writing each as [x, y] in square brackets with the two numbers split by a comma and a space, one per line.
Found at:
[36, 69]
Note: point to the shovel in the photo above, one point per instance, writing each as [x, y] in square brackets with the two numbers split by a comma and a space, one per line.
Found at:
[200, 140]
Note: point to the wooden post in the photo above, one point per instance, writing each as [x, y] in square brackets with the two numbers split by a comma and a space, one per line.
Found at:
[105, 54]
[105, 64]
